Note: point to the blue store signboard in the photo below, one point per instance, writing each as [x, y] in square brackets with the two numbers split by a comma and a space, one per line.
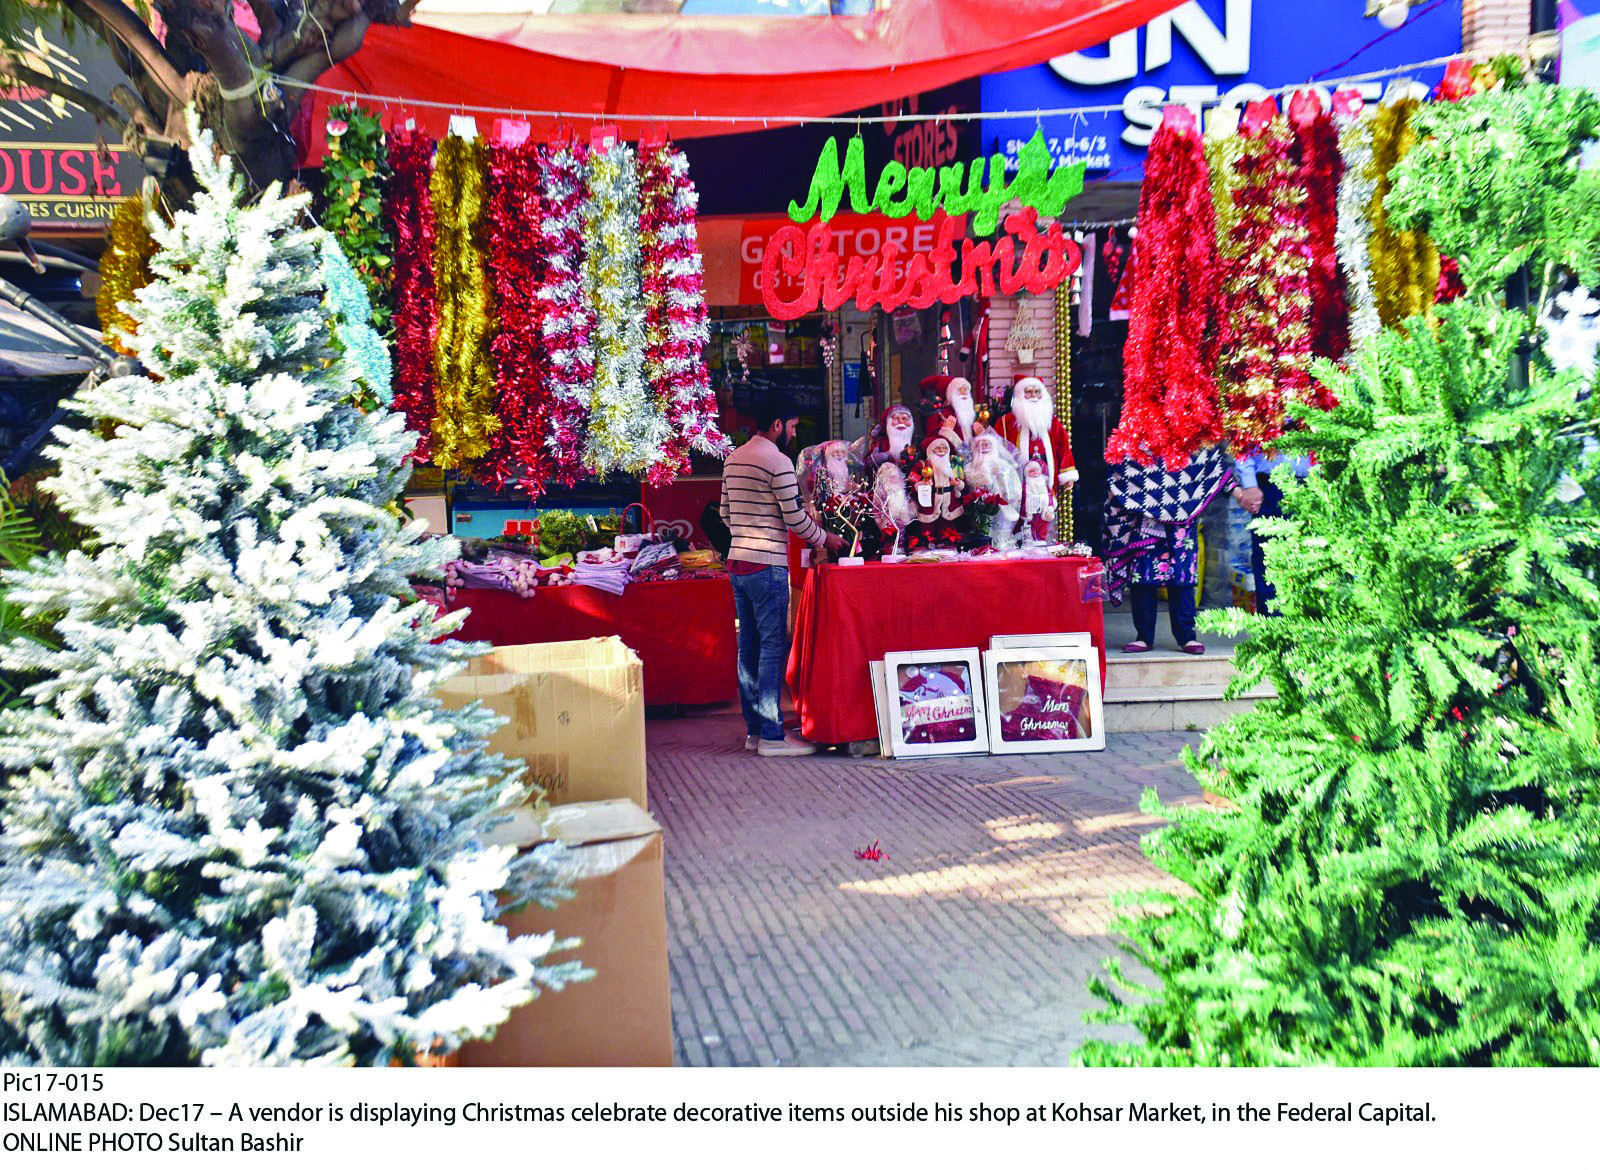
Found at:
[1233, 50]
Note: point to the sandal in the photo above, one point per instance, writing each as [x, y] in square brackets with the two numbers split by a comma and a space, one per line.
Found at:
[1136, 648]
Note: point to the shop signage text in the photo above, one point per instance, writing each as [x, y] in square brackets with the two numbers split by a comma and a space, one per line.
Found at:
[1024, 257]
[1203, 54]
[956, 190]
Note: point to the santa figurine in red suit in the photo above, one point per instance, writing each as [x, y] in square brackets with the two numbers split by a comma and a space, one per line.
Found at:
[892, 439]
[938, 493]
[1032, 427]
[957, 419]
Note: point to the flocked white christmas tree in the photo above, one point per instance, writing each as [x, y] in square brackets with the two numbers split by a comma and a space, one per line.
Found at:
[238, 829]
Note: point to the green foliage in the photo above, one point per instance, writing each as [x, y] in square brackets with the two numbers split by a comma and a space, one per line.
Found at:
[353, 178]
[1493, 179]
[20, 543]
[563, 533]
[1409, 872]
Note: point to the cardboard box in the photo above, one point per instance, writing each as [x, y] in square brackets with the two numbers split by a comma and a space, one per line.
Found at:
[575, 715]
[623, 1016]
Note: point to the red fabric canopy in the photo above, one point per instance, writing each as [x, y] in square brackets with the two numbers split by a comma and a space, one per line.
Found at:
[760, 69]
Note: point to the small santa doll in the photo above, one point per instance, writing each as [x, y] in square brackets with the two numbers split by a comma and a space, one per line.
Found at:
[891, 505]
[991, 471]
[938, 494]
[891, 438]
[1038, 504]
[1032, 427]
[957, 419]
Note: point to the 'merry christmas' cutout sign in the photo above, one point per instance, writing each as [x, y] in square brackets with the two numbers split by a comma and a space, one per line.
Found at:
[1023, 258]
[953, 189]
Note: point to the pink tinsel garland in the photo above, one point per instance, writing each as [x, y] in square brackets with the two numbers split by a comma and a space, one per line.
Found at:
[517, 452]
[410, 212]
[568, 321]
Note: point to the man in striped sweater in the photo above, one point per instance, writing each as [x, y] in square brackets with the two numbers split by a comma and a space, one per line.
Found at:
[761, 506]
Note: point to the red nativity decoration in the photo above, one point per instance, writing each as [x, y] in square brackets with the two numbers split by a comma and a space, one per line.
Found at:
[1022, 258]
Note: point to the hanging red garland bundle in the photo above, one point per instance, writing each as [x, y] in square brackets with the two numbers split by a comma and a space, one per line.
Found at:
[518, 451]
[410, 212]
[1169, 406]
[1321, 168]
[677, 323]
[568, 321]
[1266, 342]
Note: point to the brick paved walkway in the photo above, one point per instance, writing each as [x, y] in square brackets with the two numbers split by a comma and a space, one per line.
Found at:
[970, 945]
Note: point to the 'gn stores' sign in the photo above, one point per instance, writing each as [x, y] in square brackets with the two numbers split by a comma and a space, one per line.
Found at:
[1199, 54]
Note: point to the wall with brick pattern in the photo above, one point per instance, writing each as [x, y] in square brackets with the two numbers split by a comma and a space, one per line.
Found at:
[1494, 26]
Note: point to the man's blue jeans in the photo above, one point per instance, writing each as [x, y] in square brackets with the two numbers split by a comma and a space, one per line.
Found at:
[762, 602]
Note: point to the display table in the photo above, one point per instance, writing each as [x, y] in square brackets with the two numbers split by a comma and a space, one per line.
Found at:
[681, 630]
[851, 615]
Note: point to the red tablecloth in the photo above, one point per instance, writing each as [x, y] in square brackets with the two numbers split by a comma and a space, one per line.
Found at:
[681, 630]
[851, 615]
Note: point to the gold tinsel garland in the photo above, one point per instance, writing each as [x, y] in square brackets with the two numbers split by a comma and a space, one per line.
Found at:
[463, 367]
[1405, 265]
[1064, 396]
[1223, 150]
[124, 270]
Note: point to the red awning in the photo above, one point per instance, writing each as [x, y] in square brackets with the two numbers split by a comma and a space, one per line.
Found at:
[760, 69]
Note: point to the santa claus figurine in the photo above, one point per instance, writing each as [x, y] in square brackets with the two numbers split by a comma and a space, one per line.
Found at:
[1038, 503]
[938, 493]
[1032, 427]
[891, 439]
[990, 470]
[957, 419]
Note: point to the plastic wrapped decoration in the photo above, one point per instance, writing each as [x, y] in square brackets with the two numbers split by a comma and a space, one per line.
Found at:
[355, 175]
[825, 470]
[993, 472]
[891, 505]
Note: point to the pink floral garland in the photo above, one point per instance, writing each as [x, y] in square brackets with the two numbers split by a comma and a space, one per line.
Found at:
[568, 321]
[517, 452]
[677, 324]
[410, 212]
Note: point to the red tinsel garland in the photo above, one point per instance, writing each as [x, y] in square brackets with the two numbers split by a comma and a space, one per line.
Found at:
[568, 322]
[410, 212]
[1169, 406]
[677, 323]
[1266, 342]
[517, 452]
[1321, 169]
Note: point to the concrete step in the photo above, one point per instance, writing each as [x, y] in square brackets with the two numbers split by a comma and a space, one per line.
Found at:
[1130, 671]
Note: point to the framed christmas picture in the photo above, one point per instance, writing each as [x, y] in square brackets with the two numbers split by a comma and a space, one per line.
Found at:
[936, 703]
[1044, 699]
[1076, 641]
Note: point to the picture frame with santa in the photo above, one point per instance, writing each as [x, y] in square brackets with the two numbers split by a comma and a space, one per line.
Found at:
[936, 703]
[1031, 426]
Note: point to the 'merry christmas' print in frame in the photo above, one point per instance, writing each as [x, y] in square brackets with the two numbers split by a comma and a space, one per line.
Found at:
[936, 703]
[1044, 699]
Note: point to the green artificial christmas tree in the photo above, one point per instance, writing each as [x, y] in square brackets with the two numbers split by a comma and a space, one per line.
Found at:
[1407, 869]
[236, 828]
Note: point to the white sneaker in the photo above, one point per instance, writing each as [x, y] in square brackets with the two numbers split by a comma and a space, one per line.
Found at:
[751, 742]
[789, 745]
